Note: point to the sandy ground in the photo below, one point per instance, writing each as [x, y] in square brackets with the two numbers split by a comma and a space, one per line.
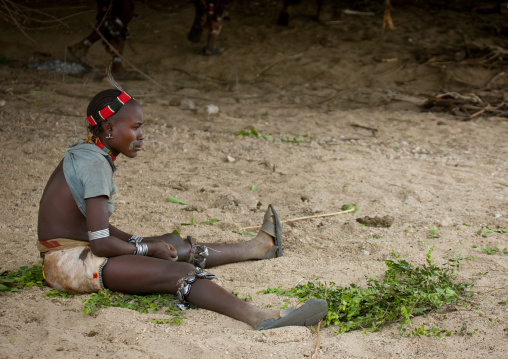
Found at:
[316, 79]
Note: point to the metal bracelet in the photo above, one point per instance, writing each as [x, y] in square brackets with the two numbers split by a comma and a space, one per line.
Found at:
[135, 239]
[103, 233]
[141, 249]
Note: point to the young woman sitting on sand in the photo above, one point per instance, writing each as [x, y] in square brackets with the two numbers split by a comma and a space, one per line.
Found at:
[84, 253]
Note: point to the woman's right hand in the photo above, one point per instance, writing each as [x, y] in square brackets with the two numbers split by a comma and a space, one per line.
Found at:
[163, 250]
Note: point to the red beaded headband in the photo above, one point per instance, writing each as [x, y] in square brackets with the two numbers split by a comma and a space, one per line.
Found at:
[110, 109]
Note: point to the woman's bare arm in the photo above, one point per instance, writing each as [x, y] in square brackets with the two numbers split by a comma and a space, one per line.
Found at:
[97, 218]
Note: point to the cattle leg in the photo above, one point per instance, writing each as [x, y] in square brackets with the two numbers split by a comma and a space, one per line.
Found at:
[217, 12]
[387, 18]
[196, 30]
[319, 14]
[284, 14]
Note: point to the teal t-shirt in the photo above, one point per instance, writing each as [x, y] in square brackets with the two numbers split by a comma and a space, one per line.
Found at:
[89, 172]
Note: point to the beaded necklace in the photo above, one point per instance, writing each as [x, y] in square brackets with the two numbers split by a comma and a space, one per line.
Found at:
[96, 141]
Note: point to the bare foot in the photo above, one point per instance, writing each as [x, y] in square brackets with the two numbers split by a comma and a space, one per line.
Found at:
[262, 243]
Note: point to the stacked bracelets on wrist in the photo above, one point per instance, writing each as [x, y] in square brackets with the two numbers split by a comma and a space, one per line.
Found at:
[141, 248]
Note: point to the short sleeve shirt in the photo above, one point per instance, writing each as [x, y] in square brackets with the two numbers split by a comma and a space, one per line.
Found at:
[89, 172]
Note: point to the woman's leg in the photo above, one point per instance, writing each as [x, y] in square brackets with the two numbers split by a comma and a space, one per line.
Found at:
[223, 253]
[259, 247]
[143, 275]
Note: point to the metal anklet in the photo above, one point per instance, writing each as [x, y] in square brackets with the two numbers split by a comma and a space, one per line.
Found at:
[184, 286]
[197, 254]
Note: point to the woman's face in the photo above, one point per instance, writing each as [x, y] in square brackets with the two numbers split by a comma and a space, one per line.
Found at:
[125, 127]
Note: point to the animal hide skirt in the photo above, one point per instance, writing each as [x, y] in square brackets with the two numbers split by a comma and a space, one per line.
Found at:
[75, 270]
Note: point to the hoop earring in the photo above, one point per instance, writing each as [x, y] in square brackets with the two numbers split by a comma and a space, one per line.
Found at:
[109, 136]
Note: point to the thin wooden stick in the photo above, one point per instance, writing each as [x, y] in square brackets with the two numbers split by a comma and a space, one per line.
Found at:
[318, 340]
[318, 333]
[301, 218]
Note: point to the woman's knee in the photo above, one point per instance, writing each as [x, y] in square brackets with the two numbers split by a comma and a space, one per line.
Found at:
[182, 246]
[171, 238]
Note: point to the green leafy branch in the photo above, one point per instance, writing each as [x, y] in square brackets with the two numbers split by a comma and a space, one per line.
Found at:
[404, 292]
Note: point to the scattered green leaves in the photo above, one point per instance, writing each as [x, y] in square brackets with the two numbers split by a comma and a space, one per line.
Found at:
[191, 223]
[433, 232]
[294, 139]
[210, 222]
[404, 292]
[141, 303]
[206, 223]
[172, 320]
[346, 207]
[173, 199]
[255, 133]
[489, 231]
[245, 233]
[492, 250]
[55, 293]
[247, 298]
[437, 332]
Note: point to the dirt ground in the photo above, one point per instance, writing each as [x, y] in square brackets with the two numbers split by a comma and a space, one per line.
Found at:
[353, 95]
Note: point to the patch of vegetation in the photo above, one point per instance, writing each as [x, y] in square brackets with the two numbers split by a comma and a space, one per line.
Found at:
[12, 281]
[486, 231]
[210, 222]
[191, 223]
[404, 292]
[433, 232]
[492, 250]
[28, 277]
[140, 303]
[437, 332]
[170, 320]
[346, 207]
[255, 133]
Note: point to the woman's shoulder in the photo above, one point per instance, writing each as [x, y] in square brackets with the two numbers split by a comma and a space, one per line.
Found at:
[84, 152]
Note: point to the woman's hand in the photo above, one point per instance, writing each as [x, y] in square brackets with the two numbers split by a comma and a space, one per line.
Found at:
[163, 250]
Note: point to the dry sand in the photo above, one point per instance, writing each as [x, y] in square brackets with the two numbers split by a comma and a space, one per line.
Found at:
[422, 168]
